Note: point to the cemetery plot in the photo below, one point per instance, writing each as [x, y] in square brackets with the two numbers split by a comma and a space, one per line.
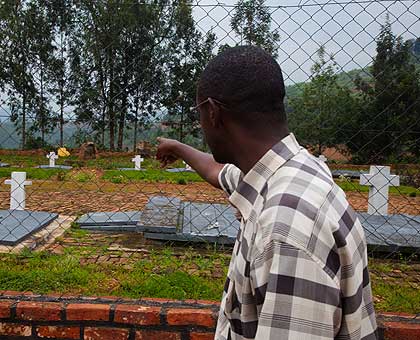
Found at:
[16, 225]
[52, 157]
[187, 168]
[137, 160]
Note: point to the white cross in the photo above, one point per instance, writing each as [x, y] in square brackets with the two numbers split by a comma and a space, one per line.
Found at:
[187, 166]
[137, 162]
[17, 190]
[379, 179]
[52, 157]
[322, 158]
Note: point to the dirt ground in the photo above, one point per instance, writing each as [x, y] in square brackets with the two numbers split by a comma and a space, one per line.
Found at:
[89, 197]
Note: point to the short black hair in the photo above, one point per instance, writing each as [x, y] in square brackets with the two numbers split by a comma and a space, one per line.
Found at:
[248, 80]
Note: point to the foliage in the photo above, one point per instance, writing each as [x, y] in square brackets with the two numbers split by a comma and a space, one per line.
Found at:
[118, 176]
[387, 126]
[32, 173]
[251, 22]
[116, 64]
[189, 52]
[161, 274]
[197, 274]
[322, 106]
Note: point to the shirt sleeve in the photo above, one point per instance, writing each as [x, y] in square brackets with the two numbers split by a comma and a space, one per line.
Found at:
[296, 298]
[229, 178]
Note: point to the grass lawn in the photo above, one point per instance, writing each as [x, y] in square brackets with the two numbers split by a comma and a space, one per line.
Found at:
[32, 173]
[150, 175]
[159, 274]
[355, 186]
[166, 273]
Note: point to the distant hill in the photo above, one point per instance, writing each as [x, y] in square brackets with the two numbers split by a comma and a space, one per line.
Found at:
[347, 78]
[10, 138]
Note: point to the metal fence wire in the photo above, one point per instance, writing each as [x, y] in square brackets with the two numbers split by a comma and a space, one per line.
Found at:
[87, 86]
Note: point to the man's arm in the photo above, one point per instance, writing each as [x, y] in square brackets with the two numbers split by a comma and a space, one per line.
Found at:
[170, 150]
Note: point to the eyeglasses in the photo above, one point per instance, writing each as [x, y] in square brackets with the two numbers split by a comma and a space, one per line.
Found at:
[195, 108]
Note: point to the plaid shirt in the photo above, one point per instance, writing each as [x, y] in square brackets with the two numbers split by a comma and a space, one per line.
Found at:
[299, 265]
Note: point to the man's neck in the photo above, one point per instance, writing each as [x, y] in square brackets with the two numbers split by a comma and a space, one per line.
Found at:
[249, 150]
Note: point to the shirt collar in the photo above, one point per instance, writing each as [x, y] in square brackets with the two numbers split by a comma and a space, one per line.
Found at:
[253, 183]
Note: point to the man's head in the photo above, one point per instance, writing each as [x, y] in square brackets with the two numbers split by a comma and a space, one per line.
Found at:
[241, 89]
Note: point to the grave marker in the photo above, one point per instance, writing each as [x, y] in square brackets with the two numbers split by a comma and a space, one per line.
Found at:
[137, 162]
[17, 190]
[52, 156]
[379, 179]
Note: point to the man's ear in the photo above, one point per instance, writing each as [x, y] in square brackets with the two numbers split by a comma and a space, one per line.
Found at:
[215, 114]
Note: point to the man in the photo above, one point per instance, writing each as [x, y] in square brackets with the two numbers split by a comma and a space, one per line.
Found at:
[299, 264]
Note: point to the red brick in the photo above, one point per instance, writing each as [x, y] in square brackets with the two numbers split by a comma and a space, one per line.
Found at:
[88, 311]
[103, 333]
[40, 311]
[397, 315]
[401, 330]
[11, 293]
[57, 332]
[203, 302]
[201, 336]
[190, 316]
[14, 329]
[5, 308]
[137, 315]
[160, 300]
[154, 335]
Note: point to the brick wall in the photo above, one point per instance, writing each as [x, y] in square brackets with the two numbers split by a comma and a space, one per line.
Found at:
[30, 316]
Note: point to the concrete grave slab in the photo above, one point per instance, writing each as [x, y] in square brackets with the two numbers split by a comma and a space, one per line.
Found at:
[391, 231]
[130, 169]
[210, 220]
[114, 227]
[62, 167]
[116, 218]
[169, 219]
[16, 225]
[4, 165]
[177, 170]
[353, 174]
[161, 215]
[201, 222]
[43, 238]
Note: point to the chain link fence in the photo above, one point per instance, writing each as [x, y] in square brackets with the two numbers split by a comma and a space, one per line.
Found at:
[86, 87]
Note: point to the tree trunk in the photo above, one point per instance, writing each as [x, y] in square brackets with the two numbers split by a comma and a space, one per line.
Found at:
[41, 108]
[61, 116]
[136, 104]
[111, 112]
[121, 124]
[62, 93]
[181, 126]
[23, 121]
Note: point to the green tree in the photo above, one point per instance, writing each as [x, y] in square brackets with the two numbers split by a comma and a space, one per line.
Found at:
[44, 54]
[321, 107]
[17, 32]
[188, 52]
[62, 16]
[389, 123]
[118, 64]
[251, 22]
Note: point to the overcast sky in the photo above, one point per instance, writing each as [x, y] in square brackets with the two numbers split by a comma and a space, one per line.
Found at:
[347, 28]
